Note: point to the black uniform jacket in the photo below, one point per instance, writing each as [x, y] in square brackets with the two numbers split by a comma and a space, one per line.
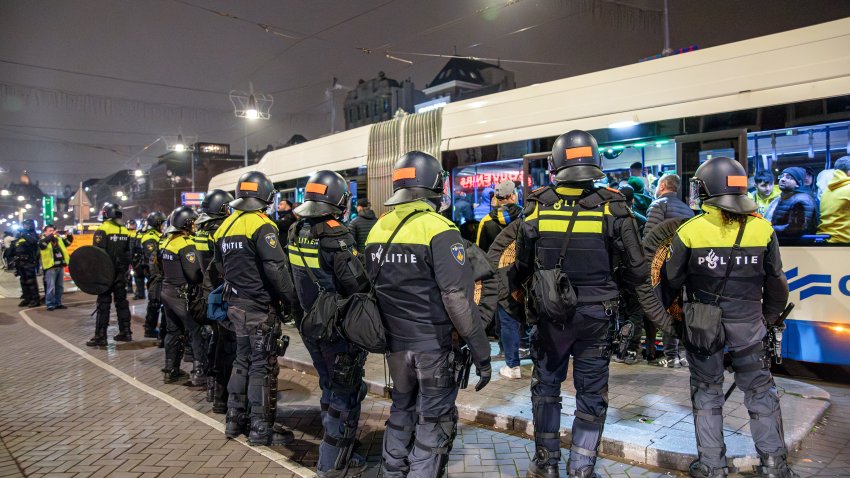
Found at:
[149, 241]
[180, 263]
[114, 238]
[252, 259]
[604, 237]
[328, 249]
[699, 256]
[425, 287]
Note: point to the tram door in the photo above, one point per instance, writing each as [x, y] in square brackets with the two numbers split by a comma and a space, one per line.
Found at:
[535, 173]
[695, 149]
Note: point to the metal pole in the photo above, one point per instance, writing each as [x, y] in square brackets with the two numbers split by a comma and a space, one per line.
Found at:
[246, 143]
[666, 50]
[192, 159]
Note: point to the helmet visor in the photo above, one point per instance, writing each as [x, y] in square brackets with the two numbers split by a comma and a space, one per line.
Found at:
[694, 193]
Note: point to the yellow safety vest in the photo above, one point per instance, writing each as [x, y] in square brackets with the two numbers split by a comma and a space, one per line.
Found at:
[47, 254]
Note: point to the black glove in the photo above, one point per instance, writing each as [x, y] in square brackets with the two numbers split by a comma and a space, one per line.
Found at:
[483, 371]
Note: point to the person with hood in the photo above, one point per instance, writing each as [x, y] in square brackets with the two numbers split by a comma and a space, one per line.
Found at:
[835, 204]
[641, 200]
[362, 224]
[794, 212]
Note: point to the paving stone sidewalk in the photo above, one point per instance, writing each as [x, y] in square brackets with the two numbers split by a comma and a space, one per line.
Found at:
[97, 405]
[649, 417]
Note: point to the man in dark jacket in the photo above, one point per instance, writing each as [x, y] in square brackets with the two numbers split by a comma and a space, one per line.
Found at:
[668, 206]
[795, 211]
[26, 263]
[362, 224]
[285, 217]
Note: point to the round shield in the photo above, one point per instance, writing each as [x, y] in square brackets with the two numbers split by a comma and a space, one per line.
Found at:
[656, 248]
[92, 270]
[502, 255]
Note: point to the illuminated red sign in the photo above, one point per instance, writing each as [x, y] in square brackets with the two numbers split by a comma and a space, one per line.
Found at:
[484, 180]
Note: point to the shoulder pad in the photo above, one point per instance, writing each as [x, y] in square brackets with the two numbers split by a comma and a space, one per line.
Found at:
[329, 228]
[337, 243]
[601, 196]
[545, 195]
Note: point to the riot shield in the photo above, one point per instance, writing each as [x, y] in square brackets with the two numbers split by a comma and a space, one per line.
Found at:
[656, 249]
[92, 270]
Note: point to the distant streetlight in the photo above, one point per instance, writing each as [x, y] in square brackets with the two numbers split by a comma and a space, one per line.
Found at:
[21, 198]
[5, 192]
[250, 105]
[28, 206]
[91, 209]
[138, 173]
[119, 193]
[64, 216]
[87, 189]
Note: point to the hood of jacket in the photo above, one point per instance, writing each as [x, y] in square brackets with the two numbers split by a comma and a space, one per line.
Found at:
[504, 215]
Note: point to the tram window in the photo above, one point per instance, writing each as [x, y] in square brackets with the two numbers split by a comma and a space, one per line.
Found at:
[473, 186]
[799, 182]
[656, 156]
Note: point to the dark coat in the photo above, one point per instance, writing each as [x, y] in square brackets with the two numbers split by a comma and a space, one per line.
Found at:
[795, 216]
[360, 227]
[667, 206]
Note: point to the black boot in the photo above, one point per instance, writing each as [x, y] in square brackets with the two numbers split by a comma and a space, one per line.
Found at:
[262, 434]
[236, 423]
[220, 399]
[151, 334]
[24, 302]
[174, 375]
[586, 472]
[701, 470]
[774, 466]
[97, 341]
[125, 336]
[541, 465]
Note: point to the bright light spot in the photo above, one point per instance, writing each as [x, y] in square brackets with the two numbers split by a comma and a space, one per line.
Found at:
[477, 104]
[28, 206]
[118, 194]
[87, 189]
[138, 173]
[179, 147]
[623, 124]
[64, 216]
[839, 328]
[91, 209]
[10, 216]
[21, 198]
[123, 198]
[610, 150]
[663, 141]
[252, 114]
[619, 147]
[639, 145]
[5, 192]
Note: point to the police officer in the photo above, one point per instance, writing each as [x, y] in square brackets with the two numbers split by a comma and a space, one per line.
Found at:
[322, 253]
[180, 272]
[151, 270]
[580, 230]
[214, 210]
[728, 240]
[26, 263]
[114, 238]
[424, 286]
[256, 276]
[137, 261]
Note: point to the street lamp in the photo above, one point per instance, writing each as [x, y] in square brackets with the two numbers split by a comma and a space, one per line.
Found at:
[250, 105]
[5, 192]
[21, 198]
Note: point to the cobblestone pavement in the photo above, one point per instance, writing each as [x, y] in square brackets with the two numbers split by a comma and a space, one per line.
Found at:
[62, 415]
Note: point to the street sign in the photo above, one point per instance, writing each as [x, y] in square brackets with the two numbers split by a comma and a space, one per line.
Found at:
[192, 199]
[47, 209]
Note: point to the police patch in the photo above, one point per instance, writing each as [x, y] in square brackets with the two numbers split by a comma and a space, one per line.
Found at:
[271, 240]
[190, 256]
[150, 247]
[459, 253]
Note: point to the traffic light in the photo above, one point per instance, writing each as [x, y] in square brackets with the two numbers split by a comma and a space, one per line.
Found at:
[47, 209]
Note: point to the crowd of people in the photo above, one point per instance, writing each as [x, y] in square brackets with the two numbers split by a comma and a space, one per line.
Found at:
[561, 278]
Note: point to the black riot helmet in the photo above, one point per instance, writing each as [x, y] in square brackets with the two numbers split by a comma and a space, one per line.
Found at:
[28, 225]
[575, 158]
[254, 191]
[111, 211]
[416, 175]
[181, 219]
[155, 220]
[722, 182]
[326, 194]
[214, 206]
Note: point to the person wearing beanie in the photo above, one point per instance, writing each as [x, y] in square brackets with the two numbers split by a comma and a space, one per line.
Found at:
[794, 213]
[362, 224]
[835, 204]
[641, 200]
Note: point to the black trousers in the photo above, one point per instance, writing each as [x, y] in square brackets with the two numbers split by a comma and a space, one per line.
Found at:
[29, 281]
[118, 295]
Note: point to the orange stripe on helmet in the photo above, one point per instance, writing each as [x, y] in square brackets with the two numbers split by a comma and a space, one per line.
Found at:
[580, 152]
[404, 173]
[246, 186]
[736, 181]
[316, 188]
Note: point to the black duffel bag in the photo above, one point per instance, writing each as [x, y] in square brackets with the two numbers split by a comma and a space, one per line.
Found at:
[320, 320]
[553, 294]
[703, 333]
[362, 323]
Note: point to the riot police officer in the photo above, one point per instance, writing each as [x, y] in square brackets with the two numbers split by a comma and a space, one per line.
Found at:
[137, 261]
[151, 270]
[213, 211]
[180, 272]
[571, 234]
[322, 254]
[26, 263]
[256, 277]
[424, 285]
[728, 258]
[114, 238]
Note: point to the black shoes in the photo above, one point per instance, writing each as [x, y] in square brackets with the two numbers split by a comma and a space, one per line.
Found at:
[174, 375]
[123, 337]
[264, 435]
[235, 423]
[544, 470]
[97, 342]
[701, 470]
